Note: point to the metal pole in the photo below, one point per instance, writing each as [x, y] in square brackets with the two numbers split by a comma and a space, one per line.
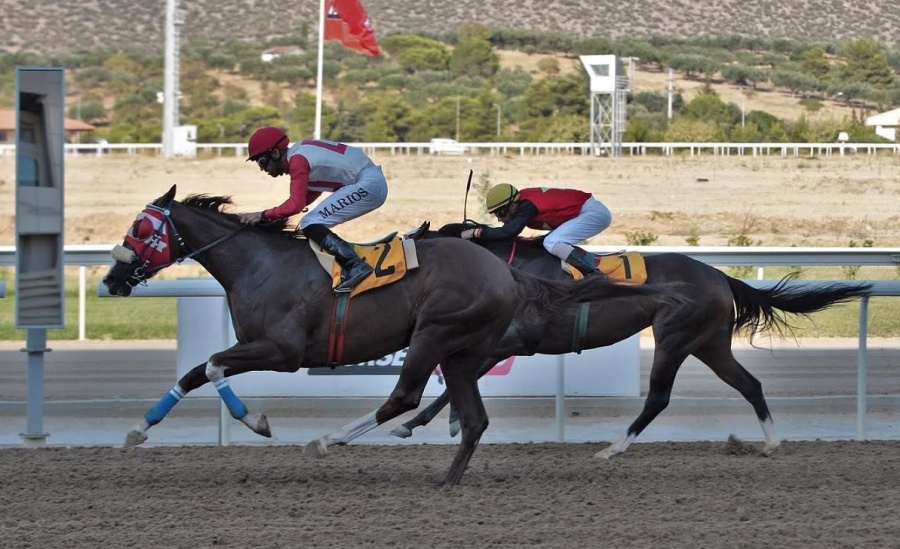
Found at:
[169, 83]
[317, 132]
[560, 398]
[457, 118]
[82, 301]
[862, 369]
[36, 344]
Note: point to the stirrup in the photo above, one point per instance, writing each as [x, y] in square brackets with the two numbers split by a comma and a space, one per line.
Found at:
[348, 284]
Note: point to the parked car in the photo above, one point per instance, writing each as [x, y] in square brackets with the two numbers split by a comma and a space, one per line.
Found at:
[442, 145]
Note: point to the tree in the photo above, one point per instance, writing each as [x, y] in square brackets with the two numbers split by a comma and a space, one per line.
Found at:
[693, 64]
[744, 75]
[689, 130]
[512, 82]
[474, 58]
[796, 82]
[814, 63]
[560, 95]
[549, 66]
[866, 64]
[708, 107]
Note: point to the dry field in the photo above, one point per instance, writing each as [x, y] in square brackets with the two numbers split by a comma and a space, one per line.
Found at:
[776, 201]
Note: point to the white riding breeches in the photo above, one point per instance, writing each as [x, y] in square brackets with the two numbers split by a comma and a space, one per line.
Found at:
[593, 219]
[350, 201]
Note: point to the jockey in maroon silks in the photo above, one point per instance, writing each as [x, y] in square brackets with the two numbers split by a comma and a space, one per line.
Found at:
[570, 215]
[317, 166]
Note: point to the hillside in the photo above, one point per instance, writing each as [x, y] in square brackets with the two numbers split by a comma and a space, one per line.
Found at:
[62, 26]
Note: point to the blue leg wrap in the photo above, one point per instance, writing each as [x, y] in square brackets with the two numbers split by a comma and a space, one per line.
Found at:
[232, 402]
[164, 406]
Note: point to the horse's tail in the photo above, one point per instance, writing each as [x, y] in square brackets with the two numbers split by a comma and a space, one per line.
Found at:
[760, 309]
[551, 296]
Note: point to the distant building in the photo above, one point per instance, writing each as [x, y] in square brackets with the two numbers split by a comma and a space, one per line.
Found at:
[280, 51]
[886, 124]
[74, 128]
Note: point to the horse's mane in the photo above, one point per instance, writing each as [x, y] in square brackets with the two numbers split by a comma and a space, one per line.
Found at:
[216, 203]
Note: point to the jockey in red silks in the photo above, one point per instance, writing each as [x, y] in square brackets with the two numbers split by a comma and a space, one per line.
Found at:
[317, 166]
[569, 214]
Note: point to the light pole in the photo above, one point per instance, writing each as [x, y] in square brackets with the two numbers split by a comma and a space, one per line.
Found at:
[457, 118]
[499, 110]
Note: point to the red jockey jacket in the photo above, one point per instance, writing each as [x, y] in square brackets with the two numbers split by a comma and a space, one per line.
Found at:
[555, 206]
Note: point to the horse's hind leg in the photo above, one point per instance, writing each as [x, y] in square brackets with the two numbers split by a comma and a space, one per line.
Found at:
[432, 410]
[462, 384]
[406, 396]
[422, 418]
[719, 357]
[666, 362]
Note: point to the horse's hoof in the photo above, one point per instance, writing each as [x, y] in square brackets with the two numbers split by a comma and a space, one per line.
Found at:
[454, 428]
[604, 454]
[262, 426]
[767, 451]
[135, 438]
[401, 432]
[316, 448]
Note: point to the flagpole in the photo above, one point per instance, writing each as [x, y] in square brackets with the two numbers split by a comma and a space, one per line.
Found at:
[317, 134]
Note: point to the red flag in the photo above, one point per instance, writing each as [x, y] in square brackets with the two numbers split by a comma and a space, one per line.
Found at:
[347, 21]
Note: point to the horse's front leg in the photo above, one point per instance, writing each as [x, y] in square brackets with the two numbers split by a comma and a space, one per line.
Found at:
[244, 357]
[195, 378]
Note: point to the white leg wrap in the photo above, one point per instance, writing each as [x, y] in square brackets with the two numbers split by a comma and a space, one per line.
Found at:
[616, 447]
[350, 431]
[214, 373]
[772, 440]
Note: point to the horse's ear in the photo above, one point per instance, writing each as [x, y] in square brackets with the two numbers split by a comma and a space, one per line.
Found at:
[169, 196]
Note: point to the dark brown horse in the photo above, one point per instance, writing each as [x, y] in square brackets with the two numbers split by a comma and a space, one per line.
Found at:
[713, 307]
[450, 310]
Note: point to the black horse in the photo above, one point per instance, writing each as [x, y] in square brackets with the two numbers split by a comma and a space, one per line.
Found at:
[450, 310]
[712, 308]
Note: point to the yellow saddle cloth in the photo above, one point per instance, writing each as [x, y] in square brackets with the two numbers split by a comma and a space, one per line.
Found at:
[624, 266]
[391, 260]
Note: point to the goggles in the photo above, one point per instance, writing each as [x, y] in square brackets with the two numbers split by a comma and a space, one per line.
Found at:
[262, 160]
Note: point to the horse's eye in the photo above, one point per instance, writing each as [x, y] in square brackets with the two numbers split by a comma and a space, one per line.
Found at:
[142, 229]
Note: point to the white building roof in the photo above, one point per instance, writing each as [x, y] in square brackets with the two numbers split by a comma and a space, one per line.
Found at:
[889, 118]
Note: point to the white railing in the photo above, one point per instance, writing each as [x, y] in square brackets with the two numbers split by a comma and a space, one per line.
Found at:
[523, 149]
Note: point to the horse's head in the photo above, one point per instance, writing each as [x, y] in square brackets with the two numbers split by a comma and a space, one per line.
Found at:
[146, 248]
[154, 241]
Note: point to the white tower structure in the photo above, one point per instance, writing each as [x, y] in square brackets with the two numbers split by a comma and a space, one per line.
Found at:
[609, 86]
[171, 91]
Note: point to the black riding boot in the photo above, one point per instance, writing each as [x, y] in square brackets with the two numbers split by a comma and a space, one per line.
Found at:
[353, 269]
[584, 262]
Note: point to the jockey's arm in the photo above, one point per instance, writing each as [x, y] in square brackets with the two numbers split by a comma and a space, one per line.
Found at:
[512, 228]
[300, 196]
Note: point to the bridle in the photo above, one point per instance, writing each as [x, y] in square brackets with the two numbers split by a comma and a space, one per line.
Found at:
[155, 250]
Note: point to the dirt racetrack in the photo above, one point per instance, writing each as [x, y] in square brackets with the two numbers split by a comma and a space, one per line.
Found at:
[717, 495]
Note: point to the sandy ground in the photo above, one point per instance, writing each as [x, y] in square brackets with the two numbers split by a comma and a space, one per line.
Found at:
[811, 494]
[776, 201]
